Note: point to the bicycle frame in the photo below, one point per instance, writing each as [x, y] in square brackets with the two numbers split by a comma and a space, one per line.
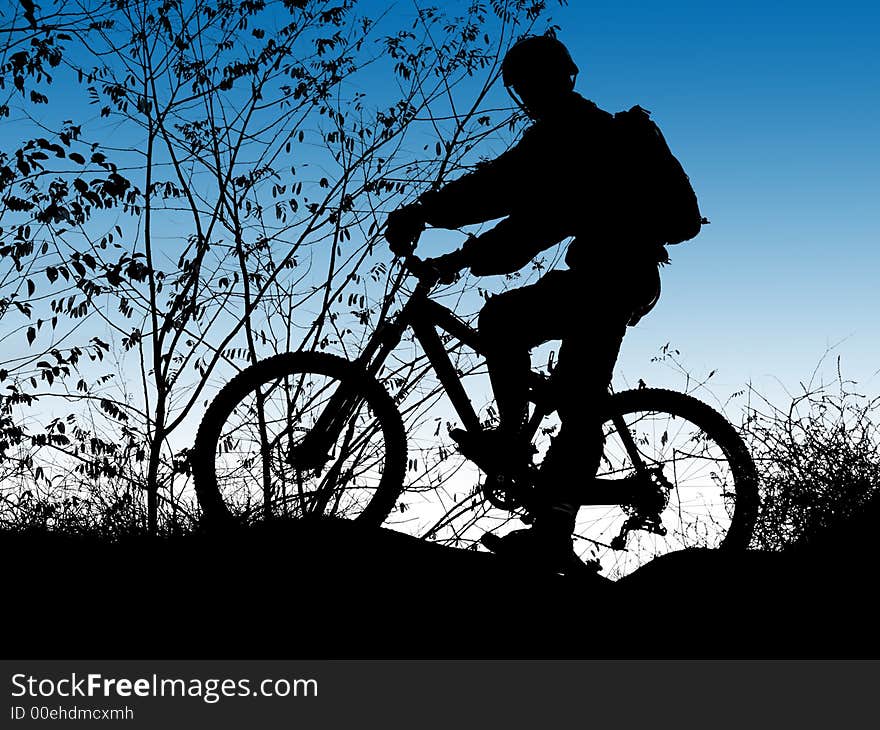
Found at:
[424, 316]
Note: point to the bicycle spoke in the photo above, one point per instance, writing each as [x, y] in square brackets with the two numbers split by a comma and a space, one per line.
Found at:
[288, 407]
[698, 484]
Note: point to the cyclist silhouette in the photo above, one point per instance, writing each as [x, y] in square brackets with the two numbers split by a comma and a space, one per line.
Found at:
[557, 181]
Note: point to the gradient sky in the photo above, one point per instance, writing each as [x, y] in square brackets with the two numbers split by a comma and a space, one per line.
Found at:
[774, 110]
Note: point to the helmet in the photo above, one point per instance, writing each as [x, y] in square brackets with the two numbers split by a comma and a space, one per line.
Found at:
[537, 56]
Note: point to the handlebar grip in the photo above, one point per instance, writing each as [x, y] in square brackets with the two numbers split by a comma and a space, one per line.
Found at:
[412, 263]
[408, 250]
[416, 266]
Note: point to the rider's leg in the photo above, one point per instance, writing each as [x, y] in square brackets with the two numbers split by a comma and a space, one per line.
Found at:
[586, 360]
[586, 363]
[510, 325]
[608, 295]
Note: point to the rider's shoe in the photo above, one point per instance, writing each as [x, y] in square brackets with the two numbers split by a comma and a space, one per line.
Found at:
[535, 548]
[547, 545]
[532, 550]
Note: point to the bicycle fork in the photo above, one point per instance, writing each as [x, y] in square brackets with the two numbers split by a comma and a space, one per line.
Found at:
[315, 449]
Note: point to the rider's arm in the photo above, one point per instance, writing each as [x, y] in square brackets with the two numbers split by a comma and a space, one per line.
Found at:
[489, 192]
[502, 250]
[510, 245]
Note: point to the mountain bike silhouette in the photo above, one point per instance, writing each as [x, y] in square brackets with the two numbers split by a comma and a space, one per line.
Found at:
[309, 434]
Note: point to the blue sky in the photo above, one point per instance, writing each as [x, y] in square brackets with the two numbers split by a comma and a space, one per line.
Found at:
[774, 110]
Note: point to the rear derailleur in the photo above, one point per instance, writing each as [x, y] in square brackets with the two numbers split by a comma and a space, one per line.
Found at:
[644, 513]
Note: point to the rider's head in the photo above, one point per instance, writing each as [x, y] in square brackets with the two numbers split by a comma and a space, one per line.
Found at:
[538, 71]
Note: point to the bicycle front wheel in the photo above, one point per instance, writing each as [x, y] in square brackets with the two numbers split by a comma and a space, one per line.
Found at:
[247, 466]
[704, 478]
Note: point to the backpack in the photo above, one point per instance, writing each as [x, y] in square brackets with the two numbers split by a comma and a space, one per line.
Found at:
[655, 186]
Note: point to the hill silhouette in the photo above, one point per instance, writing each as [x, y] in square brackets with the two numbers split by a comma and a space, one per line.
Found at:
[337, 589]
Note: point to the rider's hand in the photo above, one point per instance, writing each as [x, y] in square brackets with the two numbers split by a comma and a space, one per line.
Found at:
[444, 269]
[403, 228]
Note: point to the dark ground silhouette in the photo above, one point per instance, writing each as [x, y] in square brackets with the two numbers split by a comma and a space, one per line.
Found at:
[336, 589]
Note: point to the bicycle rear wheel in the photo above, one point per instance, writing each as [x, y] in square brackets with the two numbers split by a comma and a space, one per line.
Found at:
[704, 476]
[246, 462]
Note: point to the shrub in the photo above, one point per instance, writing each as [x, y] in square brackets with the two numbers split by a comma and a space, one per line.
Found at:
[818, 462]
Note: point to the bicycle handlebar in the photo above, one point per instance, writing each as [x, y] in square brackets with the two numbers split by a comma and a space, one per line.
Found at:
[416, 266]
[427, 276]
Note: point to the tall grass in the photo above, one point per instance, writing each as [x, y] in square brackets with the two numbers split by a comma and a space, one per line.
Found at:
[818, 461]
